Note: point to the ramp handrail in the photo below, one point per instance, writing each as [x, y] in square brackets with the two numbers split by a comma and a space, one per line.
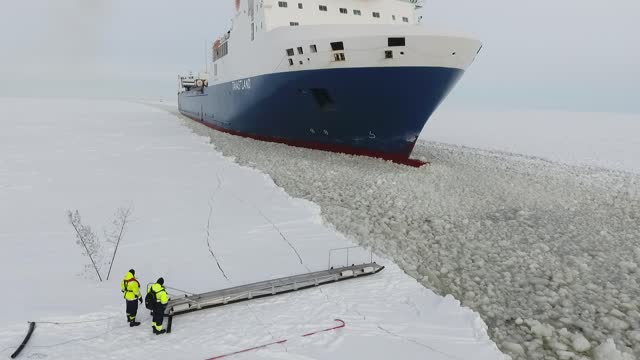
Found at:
[347, 249]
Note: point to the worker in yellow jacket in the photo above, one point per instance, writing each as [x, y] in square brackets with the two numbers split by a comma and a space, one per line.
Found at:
[131, 289]
[161, 300]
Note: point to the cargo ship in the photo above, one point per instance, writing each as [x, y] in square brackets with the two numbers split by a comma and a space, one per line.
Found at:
[351, 76]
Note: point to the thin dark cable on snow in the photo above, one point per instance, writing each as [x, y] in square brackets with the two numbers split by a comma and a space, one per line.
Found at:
[418, 343]
[388, 331]
[264, 326]
[80, 339]
[348, 308]
[70, 341]
[74, 322]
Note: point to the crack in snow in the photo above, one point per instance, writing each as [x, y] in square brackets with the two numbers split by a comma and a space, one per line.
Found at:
[209, 236]
[275, 227]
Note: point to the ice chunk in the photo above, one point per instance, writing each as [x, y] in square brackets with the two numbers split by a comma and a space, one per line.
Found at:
[613, 323]
[540, 329]
[565, 355]
[634, 335]
[628, 266]
[514, 348]
[608, 351]
[580, 343]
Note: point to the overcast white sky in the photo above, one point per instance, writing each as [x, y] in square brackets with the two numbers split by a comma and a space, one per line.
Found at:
[544, 54]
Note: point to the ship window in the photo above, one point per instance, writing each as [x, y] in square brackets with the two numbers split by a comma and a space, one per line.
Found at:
[220, 50]
[335, 46]
[393, 17]
[338, 57]
[290, 52]
[299, 5]
[300, 50]
[405, 19]
[396, 41]
[215, 69]
[376, 14]
[323, 7]
[343, 11]
[357, 12]
[282, 4]
[388, 54]
[314, 49]
[294, 23]
[290, 62]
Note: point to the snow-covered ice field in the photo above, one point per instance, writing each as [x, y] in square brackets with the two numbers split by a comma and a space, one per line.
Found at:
[591, 139]
[546, 251]
[97, 156]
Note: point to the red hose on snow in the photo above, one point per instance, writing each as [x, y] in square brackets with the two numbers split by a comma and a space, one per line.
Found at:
[342, 324]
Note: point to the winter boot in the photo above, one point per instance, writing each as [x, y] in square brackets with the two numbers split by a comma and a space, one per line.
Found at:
[134, 323]
[160, 332]
[154, 330]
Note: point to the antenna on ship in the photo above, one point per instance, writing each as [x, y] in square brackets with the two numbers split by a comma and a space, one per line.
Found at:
[206, 58]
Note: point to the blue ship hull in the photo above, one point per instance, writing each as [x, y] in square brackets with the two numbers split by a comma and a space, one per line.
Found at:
[365, 111]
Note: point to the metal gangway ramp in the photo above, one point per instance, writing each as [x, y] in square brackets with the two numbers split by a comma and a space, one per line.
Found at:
[195, 302]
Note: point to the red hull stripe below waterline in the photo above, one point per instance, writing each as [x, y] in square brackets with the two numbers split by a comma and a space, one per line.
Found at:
[319, 146]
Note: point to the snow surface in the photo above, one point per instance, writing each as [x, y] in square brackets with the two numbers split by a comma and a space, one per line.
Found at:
[546, 252]
[596, 139]
[96, 156]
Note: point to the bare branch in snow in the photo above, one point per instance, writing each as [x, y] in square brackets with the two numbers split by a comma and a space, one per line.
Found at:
[87, 238]
[119, 226]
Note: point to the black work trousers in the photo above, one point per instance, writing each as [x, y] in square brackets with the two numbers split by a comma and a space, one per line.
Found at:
[132, 310]
[158, 315]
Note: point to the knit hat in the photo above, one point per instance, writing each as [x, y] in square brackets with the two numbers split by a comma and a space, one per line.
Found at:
[133, 272]
[160, 281]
